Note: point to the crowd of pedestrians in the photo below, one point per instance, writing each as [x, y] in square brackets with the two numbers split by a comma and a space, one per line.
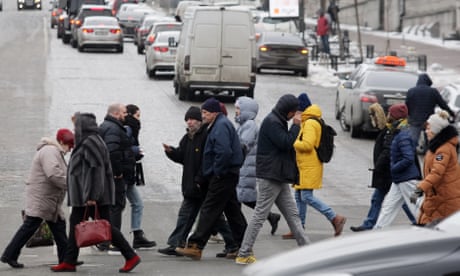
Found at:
[225, 168]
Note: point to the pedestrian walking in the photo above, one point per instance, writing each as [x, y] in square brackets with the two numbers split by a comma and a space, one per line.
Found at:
[322, 30]
[122, 159]
[133, 126]
[45, 191]
[275, 170]
[421, 101]
[381, 172]
[310, 167]
[189, 153]
[90, 182]
[222, 159]
[405, 171]
[246, 110]
[441, 184]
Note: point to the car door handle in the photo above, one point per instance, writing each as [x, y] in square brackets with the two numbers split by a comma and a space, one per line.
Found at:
[227, 56]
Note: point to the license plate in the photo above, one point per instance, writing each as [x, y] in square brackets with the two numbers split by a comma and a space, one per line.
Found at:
[100, 33]
[172, 51]
[394, 101]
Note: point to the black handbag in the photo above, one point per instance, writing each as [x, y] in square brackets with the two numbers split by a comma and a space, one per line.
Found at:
[139, 174]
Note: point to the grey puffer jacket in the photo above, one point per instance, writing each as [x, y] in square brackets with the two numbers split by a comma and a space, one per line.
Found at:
[247, 132]
[46, 185]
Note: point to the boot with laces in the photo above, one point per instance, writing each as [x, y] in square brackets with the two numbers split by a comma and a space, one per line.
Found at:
[141, 241]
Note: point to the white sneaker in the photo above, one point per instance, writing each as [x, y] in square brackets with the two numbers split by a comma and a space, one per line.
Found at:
[216, 239]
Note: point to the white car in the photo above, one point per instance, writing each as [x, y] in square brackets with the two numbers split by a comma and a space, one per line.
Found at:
[100, 32]
[160, 56]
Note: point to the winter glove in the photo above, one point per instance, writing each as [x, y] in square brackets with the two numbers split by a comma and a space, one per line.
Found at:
[415, 195]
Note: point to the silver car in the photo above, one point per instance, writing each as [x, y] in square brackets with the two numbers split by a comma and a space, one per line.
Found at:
[160, 56]
[397, 251]
[100, 32]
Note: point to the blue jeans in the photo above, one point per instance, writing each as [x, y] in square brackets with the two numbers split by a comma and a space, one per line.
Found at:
[325, 42]
[137, 206]
[376, 204]
[304, 197]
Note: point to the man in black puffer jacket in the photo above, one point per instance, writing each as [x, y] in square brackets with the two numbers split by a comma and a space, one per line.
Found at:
[421, 101]
[121, 156]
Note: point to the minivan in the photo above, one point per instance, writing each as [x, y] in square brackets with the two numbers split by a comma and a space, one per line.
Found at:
[216, 52]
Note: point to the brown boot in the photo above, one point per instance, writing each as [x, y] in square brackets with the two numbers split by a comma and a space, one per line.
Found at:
[338, 222]
[191, 251]
[288, 236]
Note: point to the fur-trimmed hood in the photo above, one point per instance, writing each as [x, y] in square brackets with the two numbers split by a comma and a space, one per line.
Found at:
[377, 115]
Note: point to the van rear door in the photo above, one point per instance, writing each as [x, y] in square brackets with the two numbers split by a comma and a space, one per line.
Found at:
[205, 53]
[236, 46]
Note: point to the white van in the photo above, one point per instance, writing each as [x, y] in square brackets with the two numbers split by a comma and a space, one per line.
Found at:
[216, 52]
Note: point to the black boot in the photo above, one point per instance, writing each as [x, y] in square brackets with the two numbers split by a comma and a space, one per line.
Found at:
[274, 218]
[140, 240]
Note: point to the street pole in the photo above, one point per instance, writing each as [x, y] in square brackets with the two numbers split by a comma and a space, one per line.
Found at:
[359, 32]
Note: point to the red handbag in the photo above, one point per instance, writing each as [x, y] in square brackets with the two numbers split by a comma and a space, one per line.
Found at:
[91, 232]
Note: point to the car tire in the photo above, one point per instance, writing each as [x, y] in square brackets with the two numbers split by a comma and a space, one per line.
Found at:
[81, 48]
[140, 50]
[151, 73]
[183, 93]
[343, 123]
[250, 92]
[65, 39]
[120, 49]
[355, 131]
[73, 42]
[337, 108]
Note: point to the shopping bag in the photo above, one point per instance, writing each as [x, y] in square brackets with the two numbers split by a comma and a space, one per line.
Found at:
[92, 232]
[41, 237]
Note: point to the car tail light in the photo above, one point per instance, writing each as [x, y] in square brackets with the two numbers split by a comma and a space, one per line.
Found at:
[88, 31]
[97, 8]
[366, 98]
[72, 21]
[61, 18]
[115, 31]
[187, 63]
[54, 13]
[144, 32]
[263, 48]
[151, 39]
[78, 23]
[304, 51]
[160, 49]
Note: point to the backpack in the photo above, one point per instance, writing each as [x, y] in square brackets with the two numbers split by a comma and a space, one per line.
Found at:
[326, 144]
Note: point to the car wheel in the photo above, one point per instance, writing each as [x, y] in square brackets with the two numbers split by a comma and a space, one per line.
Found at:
[81, 48]
[258, 70]
[250, 92]
[183, 93]
[151, 73]
[65, 39]
[337, 108]
[120, 49]
[355, 131]
[343, 122]
[140, 50]
[73, 42]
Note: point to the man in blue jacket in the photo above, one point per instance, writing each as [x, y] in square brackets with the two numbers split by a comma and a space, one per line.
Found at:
[276, 169]
[421, 101]
[222, 159]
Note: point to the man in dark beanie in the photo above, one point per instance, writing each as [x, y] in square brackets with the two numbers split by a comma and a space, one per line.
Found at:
[275, 169]
[222, 159]
[189, 153]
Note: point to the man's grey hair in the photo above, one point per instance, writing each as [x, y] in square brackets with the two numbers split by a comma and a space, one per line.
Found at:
[114, 108]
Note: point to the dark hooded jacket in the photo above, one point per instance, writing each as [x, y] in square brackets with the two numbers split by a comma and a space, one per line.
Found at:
[89, 175]
[189, 153]
[422, 99]
[119, 146]
[275, 151]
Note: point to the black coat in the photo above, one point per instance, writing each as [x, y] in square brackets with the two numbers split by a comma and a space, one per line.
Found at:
[381, 175]
[189, 153]
[119, 146]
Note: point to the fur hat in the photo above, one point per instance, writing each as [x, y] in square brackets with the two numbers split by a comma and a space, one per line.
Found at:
[193, 113]
[398, 111]
[66, 137]
[438, 121]
[211, 105]
[304, 101]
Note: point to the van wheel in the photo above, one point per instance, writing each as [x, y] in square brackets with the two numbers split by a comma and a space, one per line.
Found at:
[250, 93]
[355, 131]
[183, 93]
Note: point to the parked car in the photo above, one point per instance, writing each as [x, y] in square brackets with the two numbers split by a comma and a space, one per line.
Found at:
[100, 32]
[385, 83]
[86, 11]
[160, 56]
[145, 25]
[130, 15]
[56, 11]
[396, 251]
[220, 56]
[29, 4]
[60, 32]
[284, 51]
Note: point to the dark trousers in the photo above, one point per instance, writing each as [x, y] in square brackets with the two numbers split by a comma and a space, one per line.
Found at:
[221, 197]
[27, 230]
[116, 210]
[118, 239]
[188, 213]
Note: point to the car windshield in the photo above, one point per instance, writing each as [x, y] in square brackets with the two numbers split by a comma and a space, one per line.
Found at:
[450, 224]
[165, 36]
[391, 79]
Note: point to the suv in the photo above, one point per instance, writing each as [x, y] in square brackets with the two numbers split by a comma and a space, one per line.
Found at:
[85, 11]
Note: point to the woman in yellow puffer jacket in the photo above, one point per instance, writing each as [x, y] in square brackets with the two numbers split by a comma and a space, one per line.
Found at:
[310, 167]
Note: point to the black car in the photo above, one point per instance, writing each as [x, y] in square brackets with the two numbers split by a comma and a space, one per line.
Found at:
[29, 4]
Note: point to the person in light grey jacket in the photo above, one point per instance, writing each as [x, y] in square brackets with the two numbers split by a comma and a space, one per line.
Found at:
[45, 192]
[246, 110]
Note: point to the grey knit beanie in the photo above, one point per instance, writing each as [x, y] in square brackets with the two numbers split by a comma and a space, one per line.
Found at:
[438, 121]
